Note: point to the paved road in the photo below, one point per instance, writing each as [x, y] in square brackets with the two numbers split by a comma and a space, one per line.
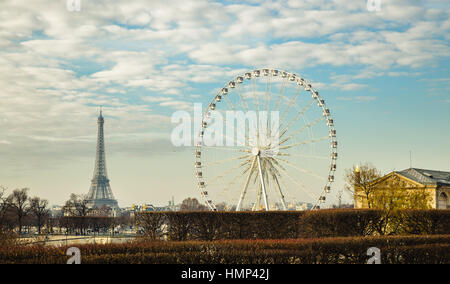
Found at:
[77, 240]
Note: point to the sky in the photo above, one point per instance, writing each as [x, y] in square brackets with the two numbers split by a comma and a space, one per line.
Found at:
[384, 74]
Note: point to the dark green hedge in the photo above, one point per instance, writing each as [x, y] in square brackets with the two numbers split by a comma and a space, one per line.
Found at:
[352, 250]
[208, 226]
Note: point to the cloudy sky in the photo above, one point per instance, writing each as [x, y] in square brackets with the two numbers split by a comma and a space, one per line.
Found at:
[385, 76]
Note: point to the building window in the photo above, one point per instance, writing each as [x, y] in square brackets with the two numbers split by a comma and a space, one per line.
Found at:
[442, 201]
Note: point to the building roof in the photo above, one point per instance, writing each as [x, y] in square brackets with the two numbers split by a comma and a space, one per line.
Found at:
[427, 177]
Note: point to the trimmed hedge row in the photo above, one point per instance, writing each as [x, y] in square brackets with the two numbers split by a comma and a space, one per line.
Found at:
[333, 223]
[394, 250]
[209, 226]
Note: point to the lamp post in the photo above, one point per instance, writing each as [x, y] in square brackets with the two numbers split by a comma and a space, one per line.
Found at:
[357, 175]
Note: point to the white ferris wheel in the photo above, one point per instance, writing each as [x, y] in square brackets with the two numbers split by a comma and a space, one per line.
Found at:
[287, 155]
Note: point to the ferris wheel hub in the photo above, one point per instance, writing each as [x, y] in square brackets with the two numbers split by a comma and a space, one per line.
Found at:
[255, 151]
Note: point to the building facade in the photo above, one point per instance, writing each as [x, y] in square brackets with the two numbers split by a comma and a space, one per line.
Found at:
[435, 185]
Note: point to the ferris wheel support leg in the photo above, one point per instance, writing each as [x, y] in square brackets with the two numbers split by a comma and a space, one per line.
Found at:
[281, 193]
[262, 183]
[258, 200]
[244, 190]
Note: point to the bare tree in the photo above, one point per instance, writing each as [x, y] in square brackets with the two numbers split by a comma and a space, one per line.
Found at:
[192, 204]
[4, 206]
[40, 211]
[151, 224]
[19, 202]
[78, 208]
[7, 236]
[77, 205]
[359, 181]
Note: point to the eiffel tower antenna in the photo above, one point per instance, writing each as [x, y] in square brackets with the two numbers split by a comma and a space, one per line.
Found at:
[100, 193]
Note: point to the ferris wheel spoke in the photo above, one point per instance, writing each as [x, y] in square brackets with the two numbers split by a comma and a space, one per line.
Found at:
[280, 94]
[274, 173]
[255, 95]
[311, 173]
[239, 133]
[280, 192]
[245, 105]
[305, 142]
[309, 125]
[244, 190]
[283, 184]
[267, 103]
[225, 173]
[302, 112]
[277, 164]
[231, 184]
[268, 87]
[229, 103]
[241, 97]
[256, 101]
[301, 185]
[306, 121]
[221, 162]
[273, 169]
[308, 129]
[289, 106]
[233, 149]
[239, 143]
[304, 156]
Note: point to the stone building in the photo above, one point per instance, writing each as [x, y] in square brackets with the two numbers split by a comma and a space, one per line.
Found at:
[435, 183]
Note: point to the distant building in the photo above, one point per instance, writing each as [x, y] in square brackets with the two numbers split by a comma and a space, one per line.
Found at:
[435, 183]
[299, 206]
[56, 211]
[151, 208]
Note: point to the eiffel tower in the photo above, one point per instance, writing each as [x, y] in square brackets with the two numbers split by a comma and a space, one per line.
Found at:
[100, 193]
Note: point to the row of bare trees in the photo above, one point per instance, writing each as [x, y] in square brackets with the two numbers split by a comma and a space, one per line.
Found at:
[18, 209]
[19, 212]
[88, 225]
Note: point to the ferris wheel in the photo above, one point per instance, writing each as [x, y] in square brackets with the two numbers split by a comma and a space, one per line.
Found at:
[266, 142]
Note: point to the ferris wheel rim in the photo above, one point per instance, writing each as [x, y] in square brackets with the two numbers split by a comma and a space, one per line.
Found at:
[250, 75]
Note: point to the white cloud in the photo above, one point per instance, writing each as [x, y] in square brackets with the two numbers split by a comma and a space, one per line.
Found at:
[178, 105]
[404, 74]
[156, 99]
